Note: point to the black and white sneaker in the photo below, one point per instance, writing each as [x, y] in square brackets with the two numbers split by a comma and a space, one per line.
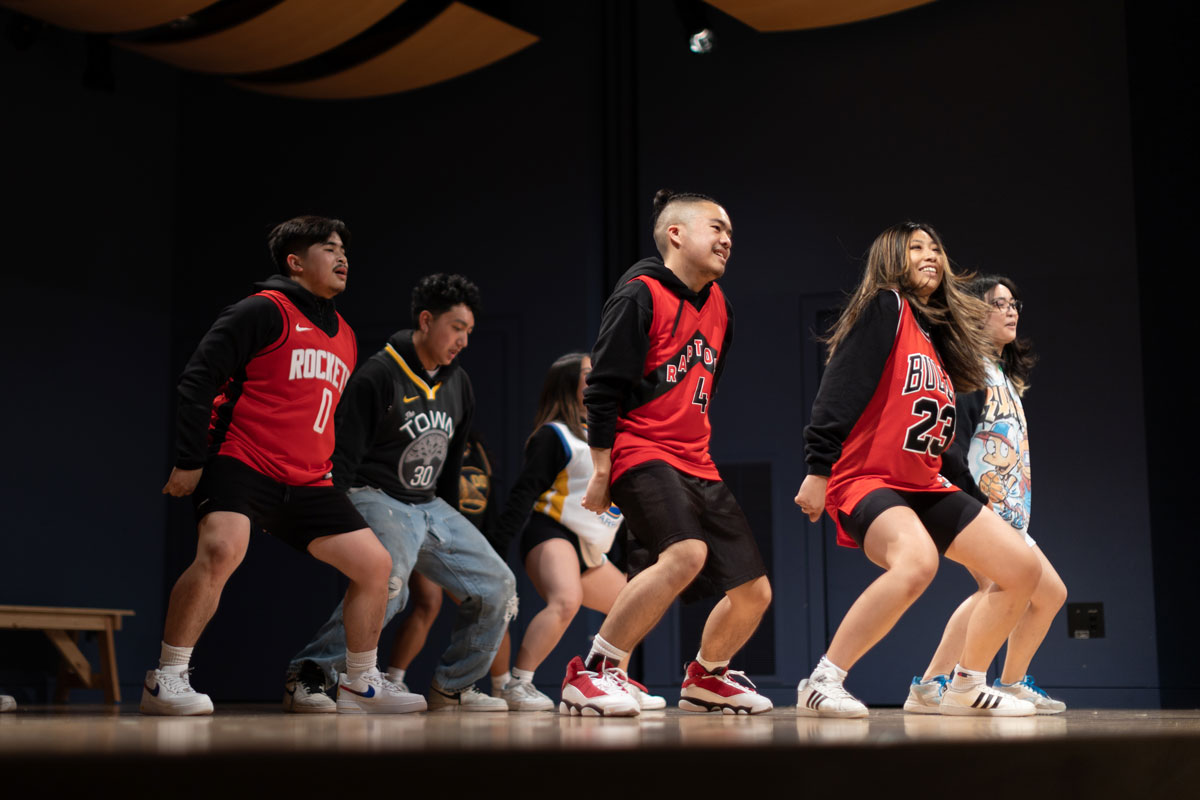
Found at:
[981, 701]
[822, 695]
[304, 693]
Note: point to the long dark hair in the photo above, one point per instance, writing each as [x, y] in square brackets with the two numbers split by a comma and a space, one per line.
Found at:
[955, 317]
[1017, 357]
[559, 401]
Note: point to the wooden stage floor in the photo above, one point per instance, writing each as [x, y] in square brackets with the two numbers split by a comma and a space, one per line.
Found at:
[1083, 753]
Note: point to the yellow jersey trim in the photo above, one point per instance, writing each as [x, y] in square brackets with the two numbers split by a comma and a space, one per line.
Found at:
[430, 393]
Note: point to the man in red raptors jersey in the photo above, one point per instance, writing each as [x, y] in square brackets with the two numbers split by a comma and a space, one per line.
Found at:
[663, 340]
[276, 363]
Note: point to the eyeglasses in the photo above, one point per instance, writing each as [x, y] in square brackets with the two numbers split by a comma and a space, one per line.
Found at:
[1002, 305]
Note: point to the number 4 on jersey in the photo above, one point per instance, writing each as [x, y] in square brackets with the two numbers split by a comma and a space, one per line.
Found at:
[700, 398]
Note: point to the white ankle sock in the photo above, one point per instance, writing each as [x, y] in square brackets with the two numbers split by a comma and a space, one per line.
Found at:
[710, 666]
[500, 681]
[396, 675]
[358, 663]
[825, 663]
[967, 678]
[522, 674]
[603, 650]
[174, 659]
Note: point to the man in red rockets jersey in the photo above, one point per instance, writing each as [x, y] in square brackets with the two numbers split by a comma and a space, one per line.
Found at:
[663, 340]
[276, 363]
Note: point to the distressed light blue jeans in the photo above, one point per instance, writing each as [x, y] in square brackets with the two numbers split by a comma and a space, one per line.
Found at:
[442, 545]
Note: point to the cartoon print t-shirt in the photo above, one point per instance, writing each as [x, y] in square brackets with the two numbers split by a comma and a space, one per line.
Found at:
[999, 452]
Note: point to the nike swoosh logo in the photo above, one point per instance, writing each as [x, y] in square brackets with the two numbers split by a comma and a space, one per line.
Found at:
[369, 693]
[153, 692]
[300, 329]
[410, 399]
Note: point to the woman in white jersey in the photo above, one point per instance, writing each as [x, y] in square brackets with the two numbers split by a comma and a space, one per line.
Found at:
[990, 460]
[563, 545]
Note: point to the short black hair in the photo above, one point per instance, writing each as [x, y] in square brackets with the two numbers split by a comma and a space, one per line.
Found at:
[664, 198]
[440, 292]
[300, 233]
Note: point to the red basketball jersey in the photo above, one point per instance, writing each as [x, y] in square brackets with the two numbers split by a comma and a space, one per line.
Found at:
[899, 438]
[279, 419]
[671, 424]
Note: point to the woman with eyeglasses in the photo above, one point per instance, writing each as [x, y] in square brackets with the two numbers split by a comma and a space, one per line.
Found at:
[883, 416]
[990, 459]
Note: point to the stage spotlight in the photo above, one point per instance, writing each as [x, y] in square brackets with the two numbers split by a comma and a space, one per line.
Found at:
[702, 41]
[694, 16]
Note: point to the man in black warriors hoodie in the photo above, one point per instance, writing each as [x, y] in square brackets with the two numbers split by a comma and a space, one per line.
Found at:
[402, 431]
[255, 437]
[663, 339]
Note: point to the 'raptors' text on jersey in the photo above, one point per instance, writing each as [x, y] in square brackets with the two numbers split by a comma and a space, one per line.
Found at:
[668, 420]
[277, 414]
[899, 438]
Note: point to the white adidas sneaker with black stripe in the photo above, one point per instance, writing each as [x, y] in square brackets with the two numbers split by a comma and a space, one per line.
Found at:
[822, 695]
[982, 701]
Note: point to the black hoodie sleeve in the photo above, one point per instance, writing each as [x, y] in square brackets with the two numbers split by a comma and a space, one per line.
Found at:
[448, 481]
[241, 331]
[368, 396]
[618, 359]
[968, 408]
[545, 457]
[850, 380]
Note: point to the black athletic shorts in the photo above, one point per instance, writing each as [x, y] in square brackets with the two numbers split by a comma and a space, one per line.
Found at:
[542, 528]
[944, 514]
[293, 514]
[662, 506]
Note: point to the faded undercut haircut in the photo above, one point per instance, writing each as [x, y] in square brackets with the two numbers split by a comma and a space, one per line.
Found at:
[298, 234]
[669, 209]
[439, 293]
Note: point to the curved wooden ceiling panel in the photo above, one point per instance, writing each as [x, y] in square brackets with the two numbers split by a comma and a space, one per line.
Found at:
[284, 34]
[457, 41]
[107, 16]
[790, 15]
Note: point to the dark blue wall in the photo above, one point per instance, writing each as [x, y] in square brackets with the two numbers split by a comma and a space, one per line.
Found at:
[144, 211]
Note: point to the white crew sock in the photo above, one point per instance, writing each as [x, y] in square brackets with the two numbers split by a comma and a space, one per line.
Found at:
[603, 651]
[359, 663]
[522, 675]
[967, 678]
[174, 659]
[710, 666]
[396, 675]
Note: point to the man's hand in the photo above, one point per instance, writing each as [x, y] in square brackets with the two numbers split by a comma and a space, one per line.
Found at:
[182, 482]
[811, 497]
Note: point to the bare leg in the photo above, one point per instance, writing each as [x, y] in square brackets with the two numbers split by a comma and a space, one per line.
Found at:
[554, 569]
[361, 557]
[503, 656]
[955, 635]
[898, 542]
[644, 600]
[1027, 636]
[426, 599]
[223, 537]
[734, 619]
[987, 547]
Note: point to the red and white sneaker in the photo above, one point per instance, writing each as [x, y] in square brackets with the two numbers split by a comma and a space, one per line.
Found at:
[646, 701]
[595, 694]
[717, 691]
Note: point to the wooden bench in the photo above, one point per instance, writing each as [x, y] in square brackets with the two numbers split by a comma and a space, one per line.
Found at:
[63, 626]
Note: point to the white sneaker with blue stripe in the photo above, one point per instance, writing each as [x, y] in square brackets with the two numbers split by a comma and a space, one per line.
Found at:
[1026, 689]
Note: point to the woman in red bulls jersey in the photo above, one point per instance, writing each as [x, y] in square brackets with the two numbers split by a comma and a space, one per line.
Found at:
[990, 460]
[664, 336]
[255, 440]
[564, 546]
[883, 416]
